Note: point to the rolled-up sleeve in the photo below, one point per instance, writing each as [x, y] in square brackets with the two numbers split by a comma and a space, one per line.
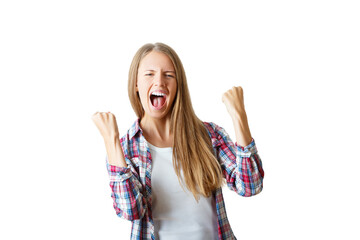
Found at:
[242, 166]
[126, 192]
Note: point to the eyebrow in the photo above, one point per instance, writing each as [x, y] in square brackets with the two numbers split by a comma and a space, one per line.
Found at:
[164, 71]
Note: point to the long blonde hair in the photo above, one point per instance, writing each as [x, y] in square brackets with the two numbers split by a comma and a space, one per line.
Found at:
[192, 149]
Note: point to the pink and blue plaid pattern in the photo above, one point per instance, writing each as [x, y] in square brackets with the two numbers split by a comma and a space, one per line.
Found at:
[131, 186]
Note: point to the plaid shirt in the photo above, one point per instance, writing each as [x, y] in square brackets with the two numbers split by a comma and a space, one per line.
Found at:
[131, 186]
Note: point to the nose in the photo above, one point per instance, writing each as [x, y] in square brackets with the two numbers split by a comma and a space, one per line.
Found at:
[159, 80]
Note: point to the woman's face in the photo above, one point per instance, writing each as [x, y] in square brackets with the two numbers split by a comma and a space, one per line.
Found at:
[156, 84]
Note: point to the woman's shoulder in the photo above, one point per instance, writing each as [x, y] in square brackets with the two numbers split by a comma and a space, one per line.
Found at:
[213, 128]
[216, 133]
[132, 131]
[130, 140]
[210, 127]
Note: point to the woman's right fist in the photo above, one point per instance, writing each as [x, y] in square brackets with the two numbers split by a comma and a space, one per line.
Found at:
[106, 123]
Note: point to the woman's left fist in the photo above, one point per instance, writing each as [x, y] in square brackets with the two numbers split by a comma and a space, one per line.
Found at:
[234, 101]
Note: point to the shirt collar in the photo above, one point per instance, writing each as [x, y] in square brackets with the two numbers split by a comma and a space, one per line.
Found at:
[135, 128]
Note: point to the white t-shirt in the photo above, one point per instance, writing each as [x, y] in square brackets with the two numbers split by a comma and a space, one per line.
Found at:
[175, 212]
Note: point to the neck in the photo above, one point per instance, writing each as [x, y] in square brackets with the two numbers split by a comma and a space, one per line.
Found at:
[156, 130]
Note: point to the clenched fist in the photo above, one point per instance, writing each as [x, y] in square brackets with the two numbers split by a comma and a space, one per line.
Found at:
[106, 123]
[234, 101]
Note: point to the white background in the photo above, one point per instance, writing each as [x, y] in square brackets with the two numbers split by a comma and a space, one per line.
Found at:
[297, 61]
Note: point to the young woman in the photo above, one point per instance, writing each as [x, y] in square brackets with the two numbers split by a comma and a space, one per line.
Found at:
[167, 171]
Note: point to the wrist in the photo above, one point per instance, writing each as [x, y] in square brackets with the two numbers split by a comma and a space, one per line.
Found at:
[114, 152]
[239, 117]
[111, 140]
[242, 130]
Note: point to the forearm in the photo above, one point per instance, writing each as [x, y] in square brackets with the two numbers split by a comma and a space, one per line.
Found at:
[127, 190]
[129, 201]
[245, 175]
[114, 152]
[242, 130]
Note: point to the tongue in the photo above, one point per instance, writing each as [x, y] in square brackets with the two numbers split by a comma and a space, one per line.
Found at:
[158, 101]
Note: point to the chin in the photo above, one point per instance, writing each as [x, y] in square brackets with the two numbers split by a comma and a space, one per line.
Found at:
[158, 115]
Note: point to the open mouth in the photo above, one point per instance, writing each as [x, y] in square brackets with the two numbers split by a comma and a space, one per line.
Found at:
[157, 100]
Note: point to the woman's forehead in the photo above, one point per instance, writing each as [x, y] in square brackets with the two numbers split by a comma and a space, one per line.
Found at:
[155, 61]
